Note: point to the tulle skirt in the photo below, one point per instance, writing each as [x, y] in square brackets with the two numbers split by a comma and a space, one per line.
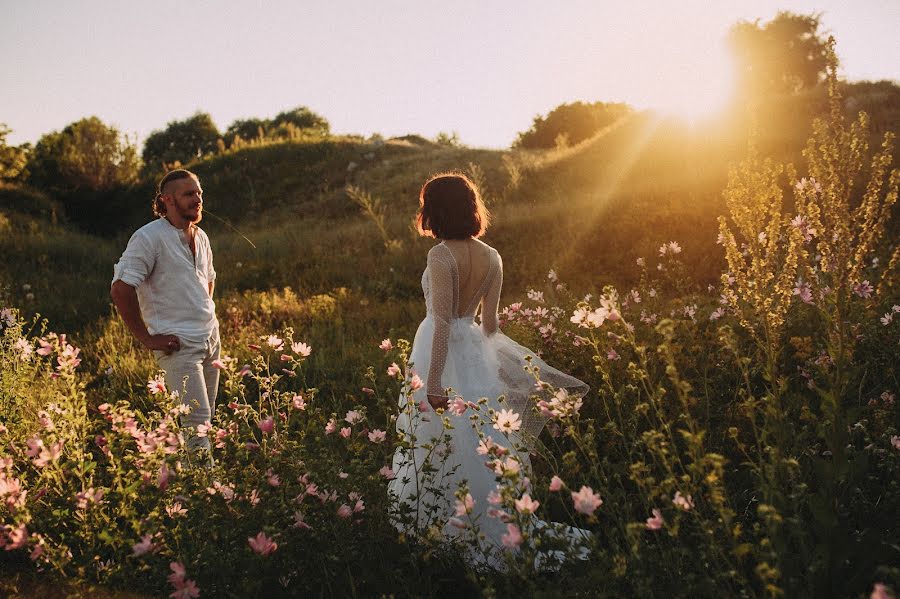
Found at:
[439, 458]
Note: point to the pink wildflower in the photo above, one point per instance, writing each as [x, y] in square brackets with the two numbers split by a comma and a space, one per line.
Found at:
[386, 345]
[465, 505]
[685, 503]
[393, 370]
[146, 545]
[415, 383]
[526, 505]
[556, 483]
[656, 521]
[344, 511]
[513, 536]
[266, 425]
[586, 501]
[377, 436]
[262, 544]
[387, 472]
[345, 432]
[301, 349]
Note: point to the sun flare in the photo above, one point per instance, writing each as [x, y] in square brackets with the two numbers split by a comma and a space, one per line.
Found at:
[696, 87]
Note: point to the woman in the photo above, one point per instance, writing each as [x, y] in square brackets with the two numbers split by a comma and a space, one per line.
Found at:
[455, 357]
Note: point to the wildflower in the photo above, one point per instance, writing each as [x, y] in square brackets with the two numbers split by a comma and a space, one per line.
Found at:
[344, 511]
[804, 292]
[24, 348]
[352, 417]
[552, 276]
[612, 355]
[184, 589]
[458, 406]
[494, 498]
[535, 296]
[8, 316]
[218, 364]
[513, 536]
[46, 348]
[457, 523]
[464, 506]
[331, 426]
[274, 341]
[272, 478]
[244, 371]
[345, 432]
[507, 421]
[656, 521]
[299, 521]
[526, 505]
[556, 483]
[298, 402]
[386, 345]
[156, 385]
[895, 441]
[16, 537]
[880, 591]
[301, 349]
[387, 472]
[508, 467]
[146, 545]
[48, 454]
[377, 436]
[262, 544]
[717, 313]
[415, 383]
[863, 290]
[176, 510]
[266, 425]
[685, 503]
[89, 497]
[204, 429]
[393, 370]
[162, 480]
[641, 262]
[586, 501]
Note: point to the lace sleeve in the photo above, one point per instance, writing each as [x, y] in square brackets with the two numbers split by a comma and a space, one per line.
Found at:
[441, 280]
[491, 301]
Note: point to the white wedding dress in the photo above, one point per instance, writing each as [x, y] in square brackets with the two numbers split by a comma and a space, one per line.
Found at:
[474, 361]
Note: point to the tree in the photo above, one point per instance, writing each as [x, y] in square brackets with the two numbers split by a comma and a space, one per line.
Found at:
[570, 124]
[87, 155]
[302, 117]
[12, 158]
[785, 55]
[246, 129]
[181, 141]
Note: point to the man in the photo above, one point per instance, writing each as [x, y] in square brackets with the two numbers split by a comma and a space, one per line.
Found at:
[162, 287]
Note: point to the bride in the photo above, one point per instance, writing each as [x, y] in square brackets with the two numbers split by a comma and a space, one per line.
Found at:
[458, 431]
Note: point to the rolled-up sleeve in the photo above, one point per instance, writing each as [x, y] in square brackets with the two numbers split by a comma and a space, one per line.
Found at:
[210, 271]
[136, 262]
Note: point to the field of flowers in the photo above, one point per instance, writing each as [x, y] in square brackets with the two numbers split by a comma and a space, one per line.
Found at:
[740, 439]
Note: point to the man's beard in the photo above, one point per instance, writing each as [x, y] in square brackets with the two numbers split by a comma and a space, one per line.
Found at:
[186, 215]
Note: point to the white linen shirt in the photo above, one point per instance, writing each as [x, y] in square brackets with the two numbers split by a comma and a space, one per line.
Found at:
[172, 283]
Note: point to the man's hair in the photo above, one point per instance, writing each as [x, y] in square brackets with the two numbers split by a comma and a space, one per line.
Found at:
[450, 207]
[159, 207]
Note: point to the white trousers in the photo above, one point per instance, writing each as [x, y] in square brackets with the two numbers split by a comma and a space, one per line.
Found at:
[190, 372]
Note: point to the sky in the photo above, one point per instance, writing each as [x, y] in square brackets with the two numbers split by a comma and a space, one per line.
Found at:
[481, 68]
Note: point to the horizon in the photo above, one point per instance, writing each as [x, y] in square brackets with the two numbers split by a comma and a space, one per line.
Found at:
[382, 72]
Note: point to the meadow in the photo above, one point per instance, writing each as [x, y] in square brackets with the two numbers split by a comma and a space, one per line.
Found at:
[733, 305]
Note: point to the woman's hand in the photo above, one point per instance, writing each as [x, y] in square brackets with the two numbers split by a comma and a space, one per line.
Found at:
[439, 402]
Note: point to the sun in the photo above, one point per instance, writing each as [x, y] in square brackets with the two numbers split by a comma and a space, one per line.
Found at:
[694, 86]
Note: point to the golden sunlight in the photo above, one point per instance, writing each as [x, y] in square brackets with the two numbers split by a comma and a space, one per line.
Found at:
[696, 84]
